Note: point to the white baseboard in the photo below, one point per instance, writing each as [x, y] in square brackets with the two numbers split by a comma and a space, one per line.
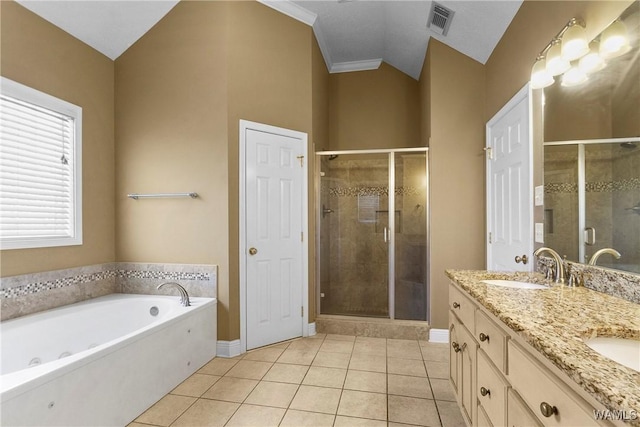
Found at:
[228, 348]
[311, 331]
[439, 335]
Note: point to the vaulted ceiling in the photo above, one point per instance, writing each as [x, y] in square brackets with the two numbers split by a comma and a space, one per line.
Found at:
[353, 34]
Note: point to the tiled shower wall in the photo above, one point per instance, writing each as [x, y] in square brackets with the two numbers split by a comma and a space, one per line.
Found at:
[32, 293]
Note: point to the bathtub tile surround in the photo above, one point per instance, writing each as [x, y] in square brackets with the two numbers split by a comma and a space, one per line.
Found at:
[555, 321]
[32, 293]
[321, 396]
[199, 280]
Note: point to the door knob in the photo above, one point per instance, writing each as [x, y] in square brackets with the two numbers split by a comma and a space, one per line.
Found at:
[522, 259]
[253, 251]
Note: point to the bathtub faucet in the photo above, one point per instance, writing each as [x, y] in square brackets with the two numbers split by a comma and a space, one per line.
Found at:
[184, 296]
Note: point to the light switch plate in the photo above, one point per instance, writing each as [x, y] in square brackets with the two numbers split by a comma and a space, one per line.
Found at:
[539, 195]
[539, 232]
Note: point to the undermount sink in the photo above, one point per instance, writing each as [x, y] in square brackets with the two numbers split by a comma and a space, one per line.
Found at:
[514, 284]
[625, 351]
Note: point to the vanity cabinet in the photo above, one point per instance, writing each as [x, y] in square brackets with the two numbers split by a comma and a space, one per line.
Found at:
[462, 368]
[499, 381]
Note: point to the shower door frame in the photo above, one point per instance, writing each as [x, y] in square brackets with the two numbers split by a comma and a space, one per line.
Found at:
[392, 238]
[582, 178]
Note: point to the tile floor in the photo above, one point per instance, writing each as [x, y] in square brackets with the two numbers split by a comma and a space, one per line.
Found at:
[325, 380]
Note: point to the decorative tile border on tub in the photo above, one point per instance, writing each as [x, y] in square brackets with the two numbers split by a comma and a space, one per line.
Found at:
[200, 280]
[32, 293]
[28, 284]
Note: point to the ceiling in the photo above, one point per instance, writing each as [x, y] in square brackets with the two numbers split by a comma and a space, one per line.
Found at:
[352, 34]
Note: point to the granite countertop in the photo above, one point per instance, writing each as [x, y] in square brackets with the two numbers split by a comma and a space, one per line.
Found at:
[554, 321]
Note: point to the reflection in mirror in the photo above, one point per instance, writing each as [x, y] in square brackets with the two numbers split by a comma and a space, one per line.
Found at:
[594, 188]
[606, 105]
[592, 160]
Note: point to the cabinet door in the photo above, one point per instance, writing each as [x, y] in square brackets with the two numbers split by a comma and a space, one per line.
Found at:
[454, 357]
[467, 380]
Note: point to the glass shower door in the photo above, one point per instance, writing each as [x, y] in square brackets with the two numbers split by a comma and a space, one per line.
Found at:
[354, 234]
[410, 236]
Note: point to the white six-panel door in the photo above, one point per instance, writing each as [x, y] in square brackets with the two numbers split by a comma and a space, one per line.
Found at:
[274, 240]
[509, 201]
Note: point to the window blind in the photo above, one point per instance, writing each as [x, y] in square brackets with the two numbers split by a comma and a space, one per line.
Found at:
[37, 159]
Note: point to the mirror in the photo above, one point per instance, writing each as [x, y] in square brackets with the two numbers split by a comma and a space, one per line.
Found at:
[592, 160]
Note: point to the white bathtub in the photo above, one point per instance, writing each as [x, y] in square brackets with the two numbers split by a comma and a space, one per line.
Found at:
[101, 362]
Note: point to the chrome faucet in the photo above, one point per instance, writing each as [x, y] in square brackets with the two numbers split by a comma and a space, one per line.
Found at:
[184, 296]
[595, 256]
[559, 264]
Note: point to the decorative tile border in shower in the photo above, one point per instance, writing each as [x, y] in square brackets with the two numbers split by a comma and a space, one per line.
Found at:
[594, 187]
[370, 191]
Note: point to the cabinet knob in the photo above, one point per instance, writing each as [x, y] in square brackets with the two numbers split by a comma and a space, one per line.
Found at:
[485, 391]
[483, 337]
[456, 305]
[548, 410]
[253, 251]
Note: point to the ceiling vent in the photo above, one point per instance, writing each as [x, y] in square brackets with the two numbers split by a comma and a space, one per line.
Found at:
[440, 18]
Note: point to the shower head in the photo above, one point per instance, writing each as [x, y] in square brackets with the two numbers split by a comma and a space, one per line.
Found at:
[629, 145]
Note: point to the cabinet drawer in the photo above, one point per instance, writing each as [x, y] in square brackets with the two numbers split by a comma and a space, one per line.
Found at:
[492, 340]
[538, 386]
[518, 413]
[492, 391]
[462, 307]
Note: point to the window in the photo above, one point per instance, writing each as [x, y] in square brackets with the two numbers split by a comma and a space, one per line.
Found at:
[40, 169]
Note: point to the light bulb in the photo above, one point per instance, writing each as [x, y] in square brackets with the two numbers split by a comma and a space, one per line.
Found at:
[592, 61]
[614, 41]
[556, 65]
[573, 77]
[540, 77]
[574, 42]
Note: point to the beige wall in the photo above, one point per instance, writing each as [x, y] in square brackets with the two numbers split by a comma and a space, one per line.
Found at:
[180, 93]
[269, 69]
[171, 136]
[40, 55]
[456, 174]
[373, 109]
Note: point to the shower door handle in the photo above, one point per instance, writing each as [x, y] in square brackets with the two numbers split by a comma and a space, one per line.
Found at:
[386, 235]
[590, 236]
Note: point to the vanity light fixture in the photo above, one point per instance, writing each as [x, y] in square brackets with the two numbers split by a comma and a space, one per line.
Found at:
[574, 41]
[540, 77]
[592, 61]
[614, 40]
[574, 77]
[570, 44]
[556, 64]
